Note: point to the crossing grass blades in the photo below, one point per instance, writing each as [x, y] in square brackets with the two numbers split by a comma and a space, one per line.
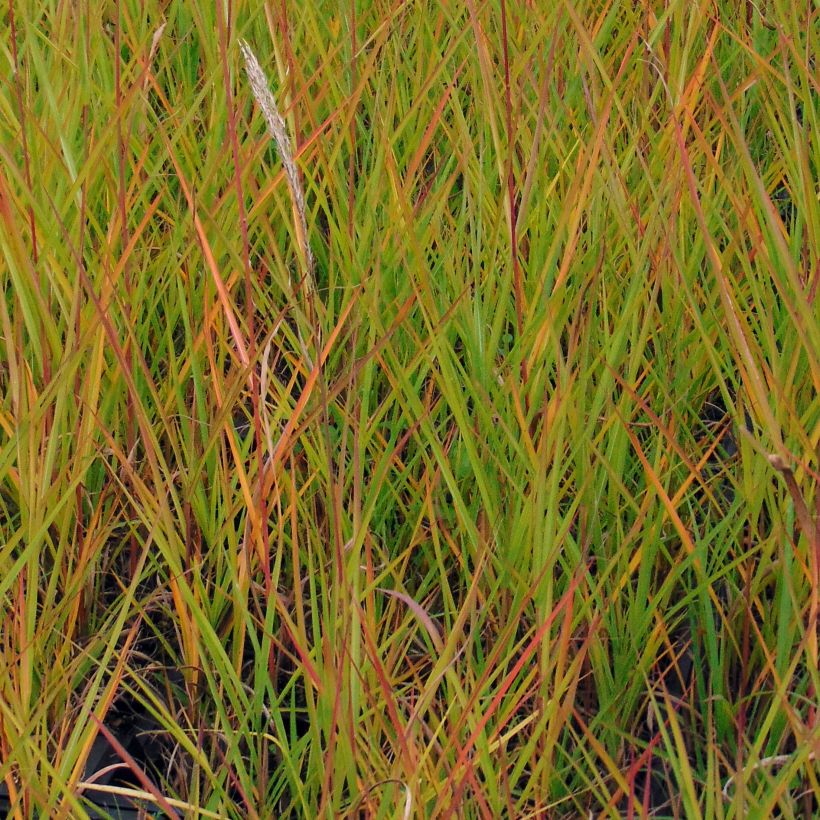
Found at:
[409, 409]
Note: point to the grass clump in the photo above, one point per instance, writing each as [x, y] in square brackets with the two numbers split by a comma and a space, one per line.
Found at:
[455, 454]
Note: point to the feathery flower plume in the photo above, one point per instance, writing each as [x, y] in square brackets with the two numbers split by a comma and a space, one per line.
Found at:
[279, 134]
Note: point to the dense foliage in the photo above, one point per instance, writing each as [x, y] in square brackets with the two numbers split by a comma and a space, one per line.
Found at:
[484, 485]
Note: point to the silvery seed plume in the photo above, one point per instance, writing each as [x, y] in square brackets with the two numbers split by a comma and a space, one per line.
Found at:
[279, 134]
